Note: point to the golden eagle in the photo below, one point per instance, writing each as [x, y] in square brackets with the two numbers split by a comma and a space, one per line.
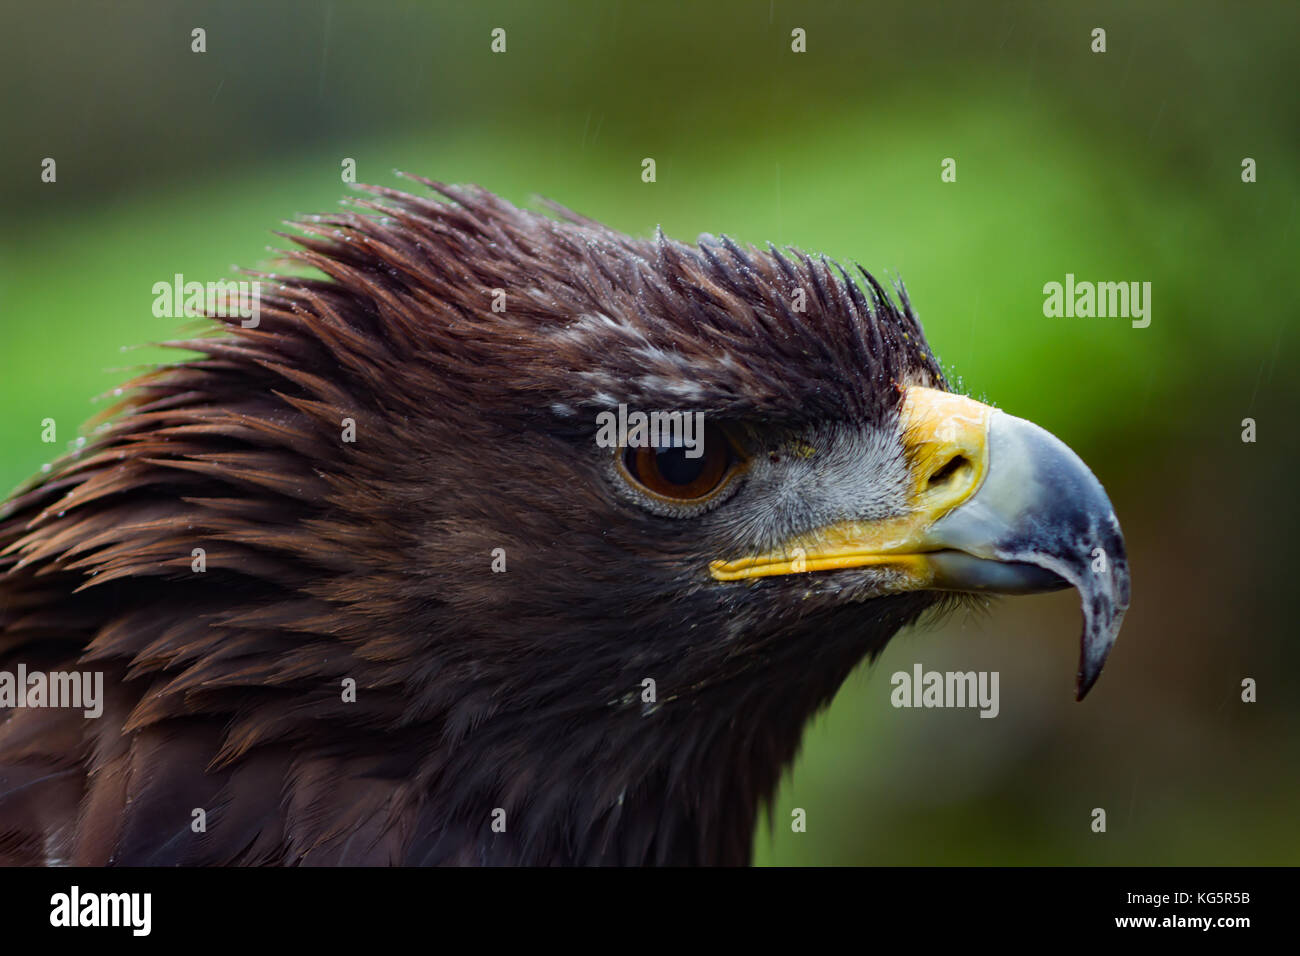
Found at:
[364, 588]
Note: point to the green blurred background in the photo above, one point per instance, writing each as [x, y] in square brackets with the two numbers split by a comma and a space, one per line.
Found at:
[1117, 166]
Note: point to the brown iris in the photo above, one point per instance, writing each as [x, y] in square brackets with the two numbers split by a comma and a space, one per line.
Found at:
[670, 473]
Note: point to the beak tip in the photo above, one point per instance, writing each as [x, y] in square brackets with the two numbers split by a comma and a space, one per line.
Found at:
[1084, 684]
[1098, 638]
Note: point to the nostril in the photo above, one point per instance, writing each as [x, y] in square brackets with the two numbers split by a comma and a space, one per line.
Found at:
[948, 470]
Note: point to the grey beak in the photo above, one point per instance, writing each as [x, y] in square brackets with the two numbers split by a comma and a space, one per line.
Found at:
[1040, 521]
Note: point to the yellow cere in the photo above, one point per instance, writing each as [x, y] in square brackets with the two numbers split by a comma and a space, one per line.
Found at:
[945, 437]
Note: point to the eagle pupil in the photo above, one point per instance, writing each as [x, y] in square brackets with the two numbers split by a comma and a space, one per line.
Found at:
[676, 469]
[672, 473]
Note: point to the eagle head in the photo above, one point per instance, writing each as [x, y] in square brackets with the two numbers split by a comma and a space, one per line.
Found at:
[504, 537]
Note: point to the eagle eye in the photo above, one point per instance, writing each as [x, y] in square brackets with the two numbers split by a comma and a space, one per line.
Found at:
[671, 475]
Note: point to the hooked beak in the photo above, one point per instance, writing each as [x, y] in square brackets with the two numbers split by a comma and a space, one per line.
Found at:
[997, 504]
